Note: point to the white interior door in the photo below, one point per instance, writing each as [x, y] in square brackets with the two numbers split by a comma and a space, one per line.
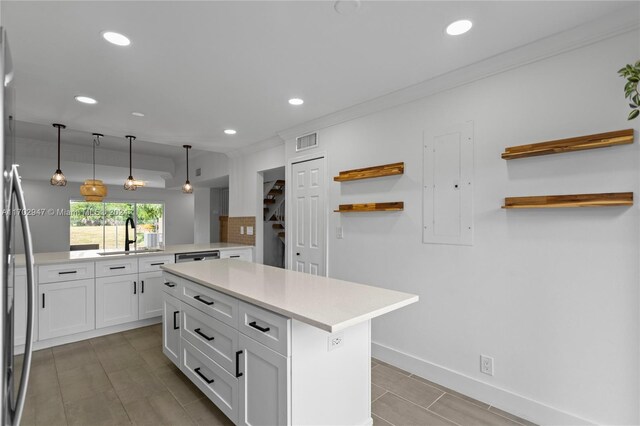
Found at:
[308, 224]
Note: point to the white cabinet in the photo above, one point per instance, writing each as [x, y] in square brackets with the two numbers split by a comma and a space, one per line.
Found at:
[66, 308]
[150, 299]
[171, 328]
[116, 300]
[263, 390]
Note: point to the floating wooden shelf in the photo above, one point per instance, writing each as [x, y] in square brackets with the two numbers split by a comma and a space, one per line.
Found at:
[371, 207]
[370, 172]
[601, 140]
[575, 200]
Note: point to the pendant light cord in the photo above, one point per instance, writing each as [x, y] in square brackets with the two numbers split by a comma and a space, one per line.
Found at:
[58, 147]
[187, 164]
[130, 142]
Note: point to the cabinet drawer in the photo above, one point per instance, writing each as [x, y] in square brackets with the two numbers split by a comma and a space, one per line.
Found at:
[65, 272]
[109, 268]
[220, 306]
[152, 264]
[218, 385]
[268, 328]
[240, 254]
[213, 338]
[171, 284]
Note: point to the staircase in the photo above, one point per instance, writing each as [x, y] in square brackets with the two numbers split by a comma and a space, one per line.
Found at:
[274, 207]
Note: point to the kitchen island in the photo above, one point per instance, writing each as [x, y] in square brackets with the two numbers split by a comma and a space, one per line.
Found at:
[274, 346]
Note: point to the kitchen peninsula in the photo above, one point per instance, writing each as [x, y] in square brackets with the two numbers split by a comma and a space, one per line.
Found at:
[274, 346]
[84, 294]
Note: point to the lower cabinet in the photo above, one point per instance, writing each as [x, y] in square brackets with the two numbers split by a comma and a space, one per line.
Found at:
[263, 386]
[66, 308]
[150, 299]
[116, 300]
[171, 328]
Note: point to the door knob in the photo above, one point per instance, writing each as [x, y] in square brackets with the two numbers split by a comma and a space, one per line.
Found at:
[297, 254]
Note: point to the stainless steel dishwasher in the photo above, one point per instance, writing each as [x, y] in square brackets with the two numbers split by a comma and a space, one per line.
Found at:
[200, 255]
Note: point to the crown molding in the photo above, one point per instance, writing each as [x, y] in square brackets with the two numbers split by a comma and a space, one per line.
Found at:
[622, 21]
[272, 142]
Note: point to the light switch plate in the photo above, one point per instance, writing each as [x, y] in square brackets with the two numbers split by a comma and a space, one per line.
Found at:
[249, 230]
[242, 230]
[339, 232]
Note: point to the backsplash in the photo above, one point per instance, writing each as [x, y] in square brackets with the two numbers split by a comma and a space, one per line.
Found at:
[234, 224]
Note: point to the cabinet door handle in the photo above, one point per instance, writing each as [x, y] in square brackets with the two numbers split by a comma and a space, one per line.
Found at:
[42, 300]
[257, 327]
[134, 287]
[232, 257]
[209, 381]
[238, 373]
[169, 284]
[116, 267]
[175, 322]
[67, 272]
[200, 299]
[142, 290]
[197, 330]
[157, 264]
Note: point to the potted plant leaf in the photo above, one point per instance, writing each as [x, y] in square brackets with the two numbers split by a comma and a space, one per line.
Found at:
[632, 74]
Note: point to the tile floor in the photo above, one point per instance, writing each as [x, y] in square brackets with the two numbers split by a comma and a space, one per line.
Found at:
[124, 379]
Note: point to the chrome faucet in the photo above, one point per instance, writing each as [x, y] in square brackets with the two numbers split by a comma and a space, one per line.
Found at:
[127, 241]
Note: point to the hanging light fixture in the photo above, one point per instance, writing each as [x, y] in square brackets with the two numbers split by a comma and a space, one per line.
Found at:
[58, 178]
[187, 188]
[93, 189]
[130, 183]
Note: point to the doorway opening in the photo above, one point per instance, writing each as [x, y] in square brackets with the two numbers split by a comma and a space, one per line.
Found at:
[274, 229]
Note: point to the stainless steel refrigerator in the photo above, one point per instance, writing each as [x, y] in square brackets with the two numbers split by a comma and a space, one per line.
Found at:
[15, 368]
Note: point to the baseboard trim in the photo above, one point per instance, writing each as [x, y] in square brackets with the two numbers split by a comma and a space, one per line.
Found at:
[44, 344]
[503, 399]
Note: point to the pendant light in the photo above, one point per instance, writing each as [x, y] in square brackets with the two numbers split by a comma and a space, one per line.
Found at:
[130, 183]
[58, 178]
[94, 190]
[187, 188]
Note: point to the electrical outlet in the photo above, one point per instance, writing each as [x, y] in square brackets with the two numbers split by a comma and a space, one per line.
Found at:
[339, 232]
[335, 341]
[486, 365]
[242, 230]
[249, 230]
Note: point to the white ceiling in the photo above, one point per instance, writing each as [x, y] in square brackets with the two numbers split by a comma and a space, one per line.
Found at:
[196, 68]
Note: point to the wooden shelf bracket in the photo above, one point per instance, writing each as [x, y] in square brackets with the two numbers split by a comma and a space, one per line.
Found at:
[371, 207]
[370, 172]
[575, 200]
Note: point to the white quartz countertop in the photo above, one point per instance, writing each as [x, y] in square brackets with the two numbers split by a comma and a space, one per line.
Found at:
[92, 255]
[326, 303]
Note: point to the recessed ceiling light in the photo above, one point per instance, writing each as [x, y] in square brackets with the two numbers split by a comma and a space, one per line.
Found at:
[230, 132]
[296, 101]
[116, 38]
[138, 114]
[459, 27]
[86, 100]
[346, 7]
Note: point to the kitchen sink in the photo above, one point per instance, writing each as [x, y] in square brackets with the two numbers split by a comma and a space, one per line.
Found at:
[113, 253]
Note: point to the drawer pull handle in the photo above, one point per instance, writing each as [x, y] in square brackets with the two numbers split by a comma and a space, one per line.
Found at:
[169, 284]
[200, 299]
[175, 322]
[238, 373]
[116, 267]
[257, 327]
[197, 330]
[232, 257]
[157, 264]
[209, 381]
[67, 272]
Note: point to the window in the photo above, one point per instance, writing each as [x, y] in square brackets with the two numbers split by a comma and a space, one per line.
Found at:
[102, 225]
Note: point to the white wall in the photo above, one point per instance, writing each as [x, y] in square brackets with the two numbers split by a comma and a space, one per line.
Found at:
[552, 295]
[51, 233]
[202, 216]
[245, 185]
[214, 209]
